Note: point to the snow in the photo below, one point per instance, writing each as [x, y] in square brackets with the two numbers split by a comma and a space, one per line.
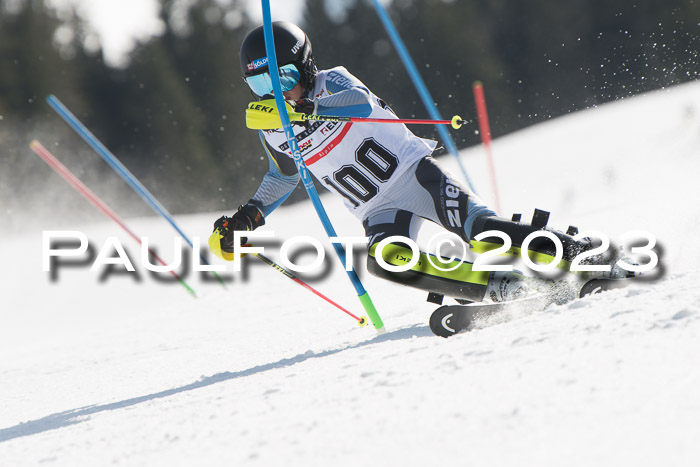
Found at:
[129, 372]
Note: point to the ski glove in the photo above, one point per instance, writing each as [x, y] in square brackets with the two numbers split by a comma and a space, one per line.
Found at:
[264, 114]
[247, 218]
[305, 106]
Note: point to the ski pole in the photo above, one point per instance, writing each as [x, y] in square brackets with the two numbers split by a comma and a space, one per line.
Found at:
[81, 188]
[262, 115]
[456, 121]
[360, 321]
[121, 170]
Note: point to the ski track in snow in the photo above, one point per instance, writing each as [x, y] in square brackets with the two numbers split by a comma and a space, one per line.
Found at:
[265, 373]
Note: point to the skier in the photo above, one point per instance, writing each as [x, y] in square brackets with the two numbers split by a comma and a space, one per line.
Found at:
[385, 173]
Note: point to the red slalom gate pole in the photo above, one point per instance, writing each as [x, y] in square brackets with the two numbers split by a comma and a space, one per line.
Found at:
[81, 188]
[485, 131]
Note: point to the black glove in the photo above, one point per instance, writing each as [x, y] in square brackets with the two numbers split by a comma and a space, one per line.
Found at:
[247, 218]
[305, 106]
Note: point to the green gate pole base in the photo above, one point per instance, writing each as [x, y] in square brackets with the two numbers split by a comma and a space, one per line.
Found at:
[372, 312]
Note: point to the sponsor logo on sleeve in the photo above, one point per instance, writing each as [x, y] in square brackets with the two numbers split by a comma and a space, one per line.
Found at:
[339, 80]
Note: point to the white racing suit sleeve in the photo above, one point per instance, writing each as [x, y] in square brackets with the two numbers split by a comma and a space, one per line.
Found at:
[353, 102]
[347, 96]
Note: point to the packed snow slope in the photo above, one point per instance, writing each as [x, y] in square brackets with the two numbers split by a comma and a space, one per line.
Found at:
[131, 371]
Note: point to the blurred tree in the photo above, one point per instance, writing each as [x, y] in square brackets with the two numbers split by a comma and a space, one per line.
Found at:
[40, 53]
[33, 42]
[559, 57]
[174, 114]
[450, 44]
[181, 109]
[537, 58]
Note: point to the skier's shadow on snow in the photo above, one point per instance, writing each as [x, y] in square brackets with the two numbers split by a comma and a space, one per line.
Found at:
[75, 416]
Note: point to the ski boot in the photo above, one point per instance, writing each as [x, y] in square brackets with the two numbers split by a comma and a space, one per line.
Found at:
[611, 258]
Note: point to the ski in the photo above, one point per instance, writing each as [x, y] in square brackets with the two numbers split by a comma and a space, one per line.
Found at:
[595, 286]
[449, 320]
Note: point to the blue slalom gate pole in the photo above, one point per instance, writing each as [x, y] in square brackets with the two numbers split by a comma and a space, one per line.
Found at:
[118, 167]
[418, 82]
[304, 171]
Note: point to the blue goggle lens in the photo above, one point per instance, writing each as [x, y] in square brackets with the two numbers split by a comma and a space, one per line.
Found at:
[262, 84]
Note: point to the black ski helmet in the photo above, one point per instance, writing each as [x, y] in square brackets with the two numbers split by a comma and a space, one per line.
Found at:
[292, 45]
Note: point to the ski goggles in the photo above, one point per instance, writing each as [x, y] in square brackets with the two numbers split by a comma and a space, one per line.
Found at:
[262, 84]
